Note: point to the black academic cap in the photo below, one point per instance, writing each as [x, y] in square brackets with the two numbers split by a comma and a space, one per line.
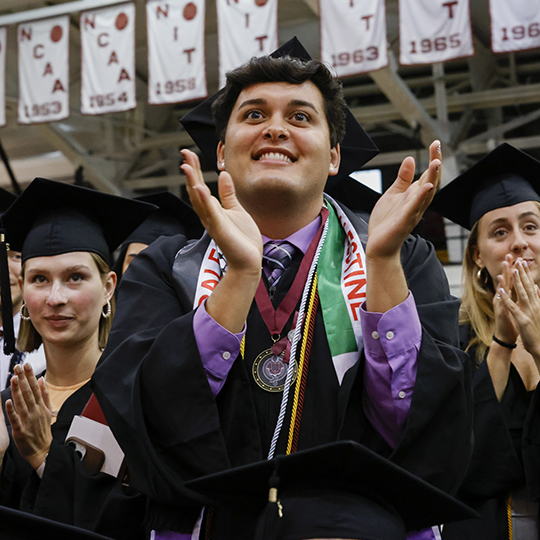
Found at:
[16, 525]
[173, 216]
[342, 467]
[504, 177]
[6, 199]
[51, 218]
[356, 148]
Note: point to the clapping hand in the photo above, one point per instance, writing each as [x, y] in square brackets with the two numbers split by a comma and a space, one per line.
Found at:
[525, 308]
[30, 412]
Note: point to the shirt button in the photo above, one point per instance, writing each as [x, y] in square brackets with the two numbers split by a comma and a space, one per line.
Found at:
[375, 334]
[226, 355]
[390, 335]
[402, 394]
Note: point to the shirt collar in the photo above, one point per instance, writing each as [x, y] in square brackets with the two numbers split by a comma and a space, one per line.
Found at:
[302, 238]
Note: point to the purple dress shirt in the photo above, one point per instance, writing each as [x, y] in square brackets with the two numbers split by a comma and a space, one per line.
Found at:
[391, 344]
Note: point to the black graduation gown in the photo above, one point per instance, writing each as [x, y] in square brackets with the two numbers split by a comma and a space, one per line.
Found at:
[497, 466]
[154, 392]
[66, 493]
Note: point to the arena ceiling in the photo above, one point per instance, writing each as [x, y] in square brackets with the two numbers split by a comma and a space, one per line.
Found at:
[471, 104]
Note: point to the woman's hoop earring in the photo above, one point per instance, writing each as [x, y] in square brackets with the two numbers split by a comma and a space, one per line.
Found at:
[106, 314]
[482, 278]
[23, 316]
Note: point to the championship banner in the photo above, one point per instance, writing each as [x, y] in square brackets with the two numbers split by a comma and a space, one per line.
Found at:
[515, 25]
[246, 28]
[434, 31]
[176, 65]
[43, 70]
[108, 60]
[3, 46]
[353, 35]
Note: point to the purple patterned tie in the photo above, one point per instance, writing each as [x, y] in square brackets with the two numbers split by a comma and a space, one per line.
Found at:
[276, 258]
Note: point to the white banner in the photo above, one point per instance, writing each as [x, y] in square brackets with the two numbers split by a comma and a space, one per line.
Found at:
[43, 70]
[434, 31]
[353, 35]
[108, 59]
[176, 65]
[3, 46]
[515, 25]
[246, 28]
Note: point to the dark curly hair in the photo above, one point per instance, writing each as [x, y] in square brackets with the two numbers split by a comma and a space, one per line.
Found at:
[266, 69]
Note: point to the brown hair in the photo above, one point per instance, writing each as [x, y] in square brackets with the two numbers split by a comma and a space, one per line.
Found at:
[29, 339]
[266, 69]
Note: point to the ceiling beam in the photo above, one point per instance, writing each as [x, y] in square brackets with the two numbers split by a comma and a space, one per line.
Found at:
[97, 171]
[406, 103]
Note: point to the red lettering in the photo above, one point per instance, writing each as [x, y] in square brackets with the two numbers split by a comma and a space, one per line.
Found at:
[100, 42]
[26, 34]
[450, 6]
[208, 271]
[48, 69]
[260, 40]
[367, 18]
[36, 55]
[351, 252]
[89, 20]
[124, 76]
[355, 306]
[356, 292]
[356, 273]
[188, 52]
[58, 86]
[356, 259]
[209, 284]
[203, 298]
[160, 11]
[213, 256]
[113, 59]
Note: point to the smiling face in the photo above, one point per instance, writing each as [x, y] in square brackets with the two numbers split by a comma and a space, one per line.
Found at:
[64, 295]
[513, 230]
[277, 149]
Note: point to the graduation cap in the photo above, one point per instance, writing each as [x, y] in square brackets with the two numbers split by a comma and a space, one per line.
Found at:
[377, 499]
[17, 525]
[356, 148]
[173, 216]
[504, 177]
[51, 218]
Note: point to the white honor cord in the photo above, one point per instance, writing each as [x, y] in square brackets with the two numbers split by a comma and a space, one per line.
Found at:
[294, 344]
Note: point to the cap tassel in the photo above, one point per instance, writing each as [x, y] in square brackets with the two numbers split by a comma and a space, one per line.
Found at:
[5, 287]
[269, 526]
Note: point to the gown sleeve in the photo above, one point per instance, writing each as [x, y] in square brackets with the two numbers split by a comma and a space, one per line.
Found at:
[66, 492]
[152, 358]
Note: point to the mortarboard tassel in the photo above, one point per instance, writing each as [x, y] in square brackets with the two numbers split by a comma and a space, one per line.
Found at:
[269, 526]
[5, 288]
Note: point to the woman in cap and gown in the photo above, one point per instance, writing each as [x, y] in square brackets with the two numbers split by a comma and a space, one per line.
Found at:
[68, 293]
[500, 318]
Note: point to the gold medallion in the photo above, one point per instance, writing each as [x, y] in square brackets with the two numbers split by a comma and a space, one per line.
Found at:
[270, 371]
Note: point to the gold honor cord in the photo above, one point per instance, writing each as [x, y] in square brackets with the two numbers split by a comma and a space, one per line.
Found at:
[509, 517]
[310, 313]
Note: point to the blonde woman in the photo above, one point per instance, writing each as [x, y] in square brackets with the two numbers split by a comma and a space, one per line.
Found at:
[498, 200]
[68, 306]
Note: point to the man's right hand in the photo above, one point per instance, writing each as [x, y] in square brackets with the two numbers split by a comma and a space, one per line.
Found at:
[238, 237]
